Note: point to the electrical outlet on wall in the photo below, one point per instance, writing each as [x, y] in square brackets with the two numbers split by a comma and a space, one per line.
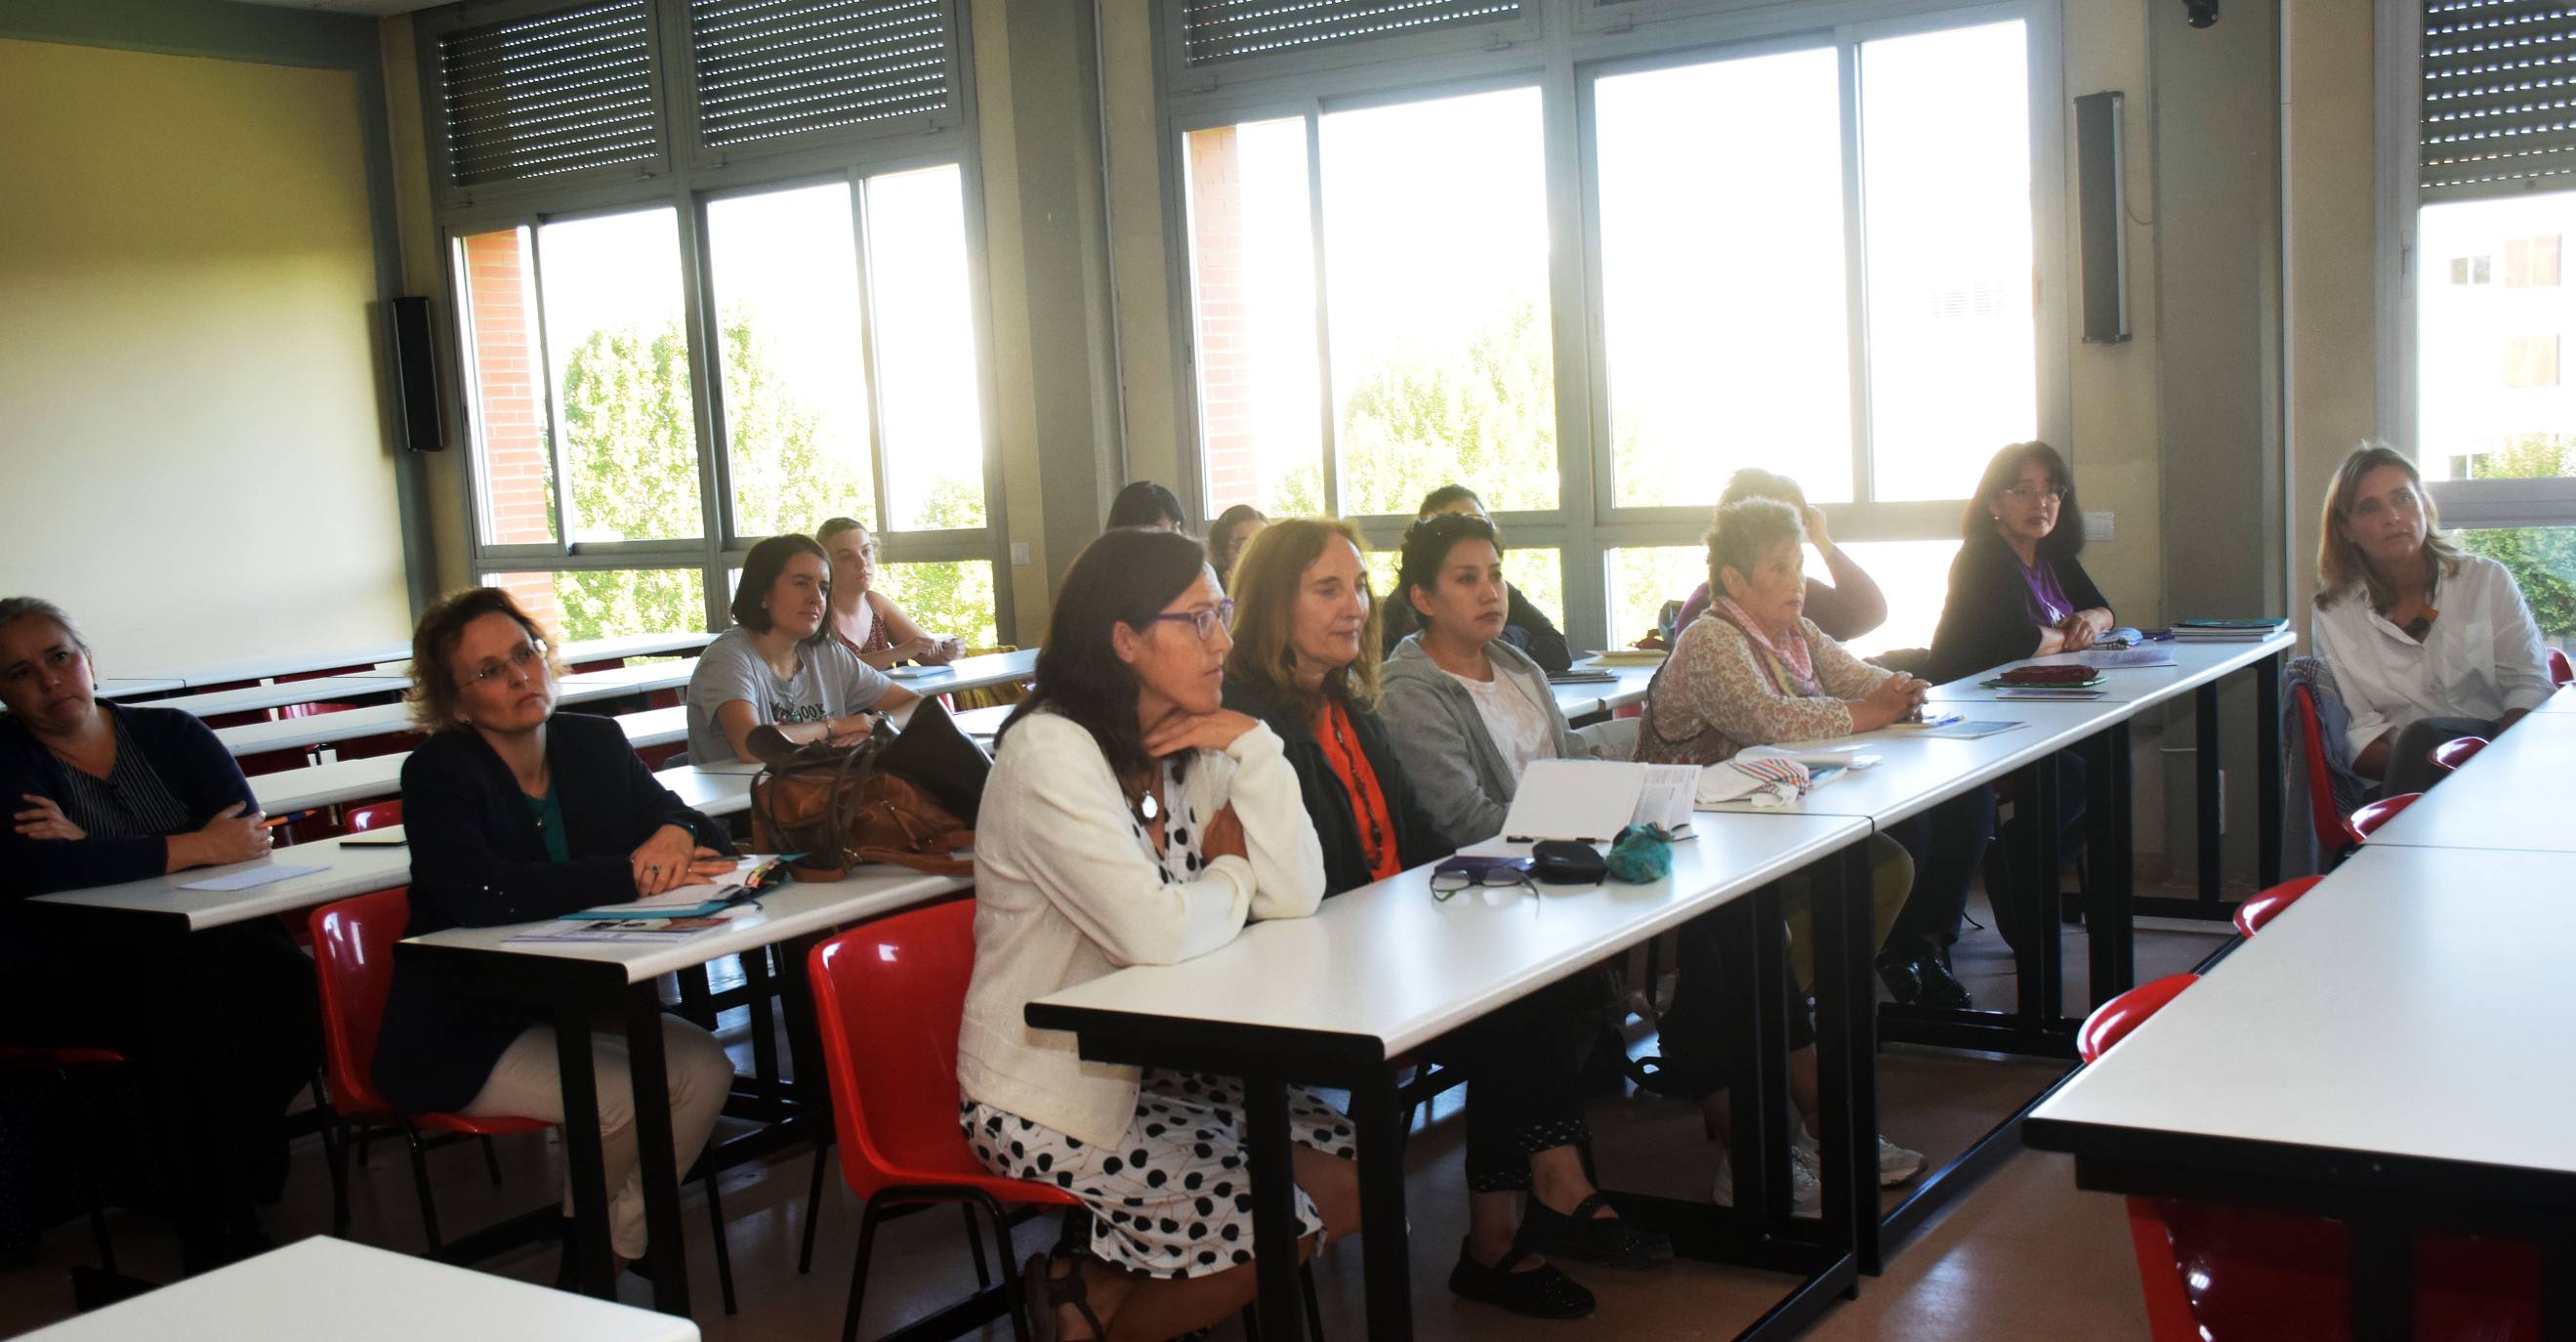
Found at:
[1019, 552]
[2101, 526]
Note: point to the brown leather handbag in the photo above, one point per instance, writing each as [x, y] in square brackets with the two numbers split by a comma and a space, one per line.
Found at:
[907, 798]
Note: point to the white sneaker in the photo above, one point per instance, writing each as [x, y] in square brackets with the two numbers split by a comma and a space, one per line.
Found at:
[1806, 1189]
[1896, 1165]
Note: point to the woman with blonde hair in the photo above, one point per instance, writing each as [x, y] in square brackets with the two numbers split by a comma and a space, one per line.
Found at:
[863, 619]
[2427, 642]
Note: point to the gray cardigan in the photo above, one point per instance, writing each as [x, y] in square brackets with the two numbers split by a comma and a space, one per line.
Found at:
[1457, 770]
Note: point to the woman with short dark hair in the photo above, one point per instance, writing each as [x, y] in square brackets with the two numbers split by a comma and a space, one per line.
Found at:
[2017, 589]
[772, 669]
[1234, 529]
[1146, 505]
[1525, 626]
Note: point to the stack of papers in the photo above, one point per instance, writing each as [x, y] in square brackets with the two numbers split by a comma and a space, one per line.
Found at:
[2227, 631]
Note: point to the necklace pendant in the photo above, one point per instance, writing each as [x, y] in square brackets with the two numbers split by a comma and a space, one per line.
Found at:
[1148, 808]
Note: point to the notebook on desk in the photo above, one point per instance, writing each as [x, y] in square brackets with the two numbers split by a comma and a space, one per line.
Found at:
[1590, 801]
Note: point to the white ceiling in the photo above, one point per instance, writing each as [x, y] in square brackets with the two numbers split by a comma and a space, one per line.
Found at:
[374, 7]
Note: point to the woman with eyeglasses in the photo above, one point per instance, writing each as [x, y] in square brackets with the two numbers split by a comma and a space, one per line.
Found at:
[518, 813]
[1131, 819]
[773, 668]
[2427, 643]
[101, 794]
[1305, 662]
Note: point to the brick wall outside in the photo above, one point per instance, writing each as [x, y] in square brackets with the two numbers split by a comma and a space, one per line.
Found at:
[509, 374]
[1224, 343]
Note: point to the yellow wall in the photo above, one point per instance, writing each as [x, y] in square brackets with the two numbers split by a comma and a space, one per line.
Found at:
[198, 466]
[2330, 209]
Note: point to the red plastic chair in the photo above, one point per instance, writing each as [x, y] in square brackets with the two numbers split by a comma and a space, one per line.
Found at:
[373, 815]
[2451, 754]
[2263, 908]
[2220, 1274]
[2368, 819]
[2560, 670]
[888, 998]
[353, 943]
[2334, 840]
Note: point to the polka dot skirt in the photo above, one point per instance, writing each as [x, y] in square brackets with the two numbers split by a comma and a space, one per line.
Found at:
[1174, 1198]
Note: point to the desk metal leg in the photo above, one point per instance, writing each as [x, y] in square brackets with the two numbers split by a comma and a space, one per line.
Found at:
[1846, 1080]
[2205, 798]
[2267, 769]
[2383, 1281]
[593, 1266]
[665, 1243]
[1274, 1205]
[1383, 1250]
[2109, 934]
[1737, 930]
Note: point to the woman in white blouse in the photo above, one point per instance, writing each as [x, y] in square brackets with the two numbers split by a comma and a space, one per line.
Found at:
[2427, 643]
[1130, 820]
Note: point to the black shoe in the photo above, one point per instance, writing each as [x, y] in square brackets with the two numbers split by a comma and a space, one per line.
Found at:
[1586, 1237]
[1540, 1293]
[1903, 978]
[1941, 988]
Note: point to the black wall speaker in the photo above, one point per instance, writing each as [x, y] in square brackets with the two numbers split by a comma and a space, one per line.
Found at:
[2101, 212]
[415, 375]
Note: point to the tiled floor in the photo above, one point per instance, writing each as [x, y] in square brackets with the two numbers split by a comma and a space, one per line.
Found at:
[2023, 1256]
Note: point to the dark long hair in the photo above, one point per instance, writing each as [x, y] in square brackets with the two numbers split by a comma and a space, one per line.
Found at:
[760, 570]
[2066, 539]
[1124, 577]
[1427, 544]
[1142, 504]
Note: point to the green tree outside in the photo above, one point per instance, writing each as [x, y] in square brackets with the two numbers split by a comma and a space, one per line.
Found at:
[2541, 559]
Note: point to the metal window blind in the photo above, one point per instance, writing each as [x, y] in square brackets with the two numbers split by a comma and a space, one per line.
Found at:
[1221, 30]
[767, 68]
[2499, 106]
[556, 93]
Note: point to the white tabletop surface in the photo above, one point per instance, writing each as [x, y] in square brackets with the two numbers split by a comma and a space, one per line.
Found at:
[328, 1290]
[1388, 962]
[136, 687]
[585, 685]
[2512, 795]
[713, 790]
[334, 784]
[968, 673]
[2412, 1005]
[2195, 664]
[632, 645]
[647, 727]
[790, 911]
[262, 668]
[1579, 699]
[252, 698]
[2562, 702]
[1916, 771]
[347, 871]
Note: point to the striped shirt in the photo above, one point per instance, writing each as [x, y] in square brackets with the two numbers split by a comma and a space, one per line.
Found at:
[131, 802]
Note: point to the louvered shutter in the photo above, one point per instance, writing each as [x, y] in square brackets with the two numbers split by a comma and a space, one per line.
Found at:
[767, 68]
[556, 93]
[2499, 106]
[1223, 30]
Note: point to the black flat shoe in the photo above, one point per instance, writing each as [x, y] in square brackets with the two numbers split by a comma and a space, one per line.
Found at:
[1540, 1293]
[1941, 988]
[1586, 1237]
[1904, 981]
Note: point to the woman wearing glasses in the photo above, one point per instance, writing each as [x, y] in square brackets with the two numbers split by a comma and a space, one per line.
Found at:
[1130, 819]
[1305, 662]
[772, 669]
[517, 813]
[2427, 643]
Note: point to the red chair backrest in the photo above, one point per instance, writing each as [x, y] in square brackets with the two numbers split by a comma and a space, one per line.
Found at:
[353, 962]
[2263, 908]
[888, 998]
[2331, 835]
[2560, 671]
[2113, 1020]
[2453, 753]
[2369, 818]
[373, 815]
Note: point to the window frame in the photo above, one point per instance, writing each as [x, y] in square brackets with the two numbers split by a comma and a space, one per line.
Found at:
[1575, 48]
[687, 180]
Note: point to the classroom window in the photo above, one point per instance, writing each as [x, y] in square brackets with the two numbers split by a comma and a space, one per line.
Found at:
[507, 401]
[2531, 263]
[1252, 286]
[950, 599]
[617, 352]
[609, 603]
[926, 366]
[2543, 563]
[2531, 361]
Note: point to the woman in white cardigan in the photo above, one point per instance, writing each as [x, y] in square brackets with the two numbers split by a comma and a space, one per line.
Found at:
[1131, 820]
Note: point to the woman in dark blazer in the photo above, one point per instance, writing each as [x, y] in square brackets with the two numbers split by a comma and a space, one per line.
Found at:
[517, 813]
[1305, 662]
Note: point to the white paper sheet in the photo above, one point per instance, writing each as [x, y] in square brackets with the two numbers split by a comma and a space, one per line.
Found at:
[2109, 659]
[251, 878]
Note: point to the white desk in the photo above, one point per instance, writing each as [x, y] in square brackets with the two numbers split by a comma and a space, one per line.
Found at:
[334, 784]
[631, 645]
[348, 871]
[1916, 772]
[2513, 795]
[263, 668]
[2562, 702]
[968, 673]
[583, 686]
[1583, 699]
[713, 790]
[328, 1290]
[646, 727]
[138, 687]
[255, 698]
[2195, 664]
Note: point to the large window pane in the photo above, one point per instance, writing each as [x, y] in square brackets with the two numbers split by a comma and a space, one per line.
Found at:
[1252, 286]
[1945, 162]
[2491, 324]
[620, 361]
[786, 274]
[953, 598]
[1435, 247]
[1642, 579]
[513, 443]
[610, 603]
[1721, 206]
[925, 316]
[2543, 562]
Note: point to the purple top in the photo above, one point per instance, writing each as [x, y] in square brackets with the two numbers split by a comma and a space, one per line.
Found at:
[2047, 602]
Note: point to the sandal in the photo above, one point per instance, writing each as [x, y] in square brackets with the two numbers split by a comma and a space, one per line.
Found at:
[1540, 1293]
[1586, 1236]
[1044, 1294]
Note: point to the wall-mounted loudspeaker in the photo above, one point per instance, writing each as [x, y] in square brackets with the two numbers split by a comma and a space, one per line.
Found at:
[415, 374]
[2101, 213]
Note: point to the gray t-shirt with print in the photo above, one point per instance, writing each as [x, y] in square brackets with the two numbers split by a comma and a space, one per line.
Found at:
[830, 682]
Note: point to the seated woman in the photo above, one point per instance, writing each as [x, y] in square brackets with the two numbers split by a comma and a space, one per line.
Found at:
[2427, 643]
[1844, 609]
[103, 794]
[1130, 819]
[1234, 529]
[771, 669]
[1525, 626]
[1755, 672]
[516, 812]
[867, 621]
[1146, 505]
[1304, 662]
[2018, 590]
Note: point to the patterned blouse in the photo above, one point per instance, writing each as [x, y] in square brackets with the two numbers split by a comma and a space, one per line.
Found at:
[1714, 696]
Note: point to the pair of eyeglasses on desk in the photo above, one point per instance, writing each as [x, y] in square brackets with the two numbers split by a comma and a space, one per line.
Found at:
[1447, 883]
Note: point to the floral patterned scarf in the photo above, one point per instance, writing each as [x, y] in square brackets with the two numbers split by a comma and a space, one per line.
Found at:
[1791, 663]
